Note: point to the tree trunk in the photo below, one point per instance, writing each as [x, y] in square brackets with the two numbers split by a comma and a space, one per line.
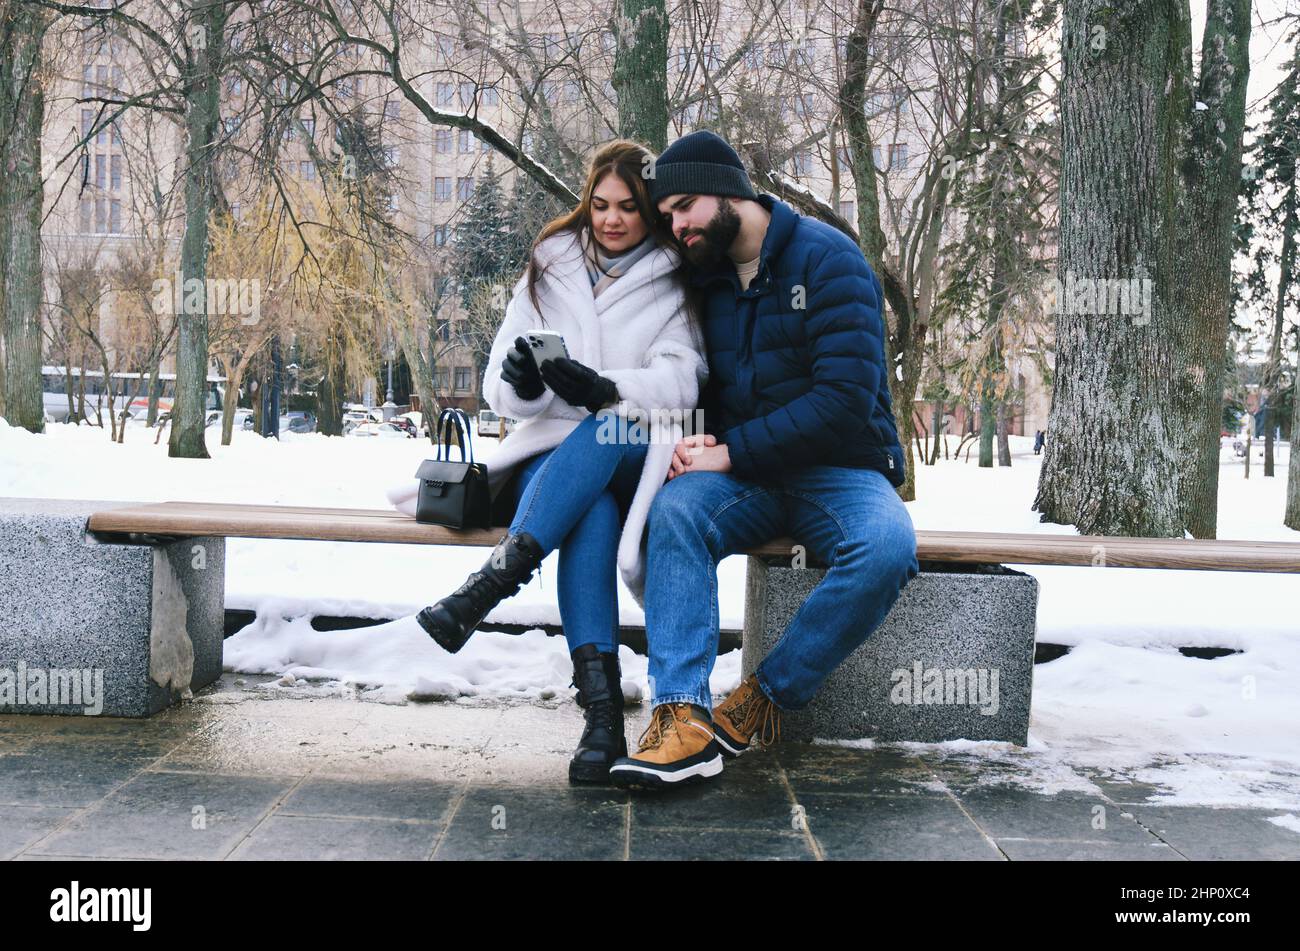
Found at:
[1113, 465]
[1004, 440]
[202, 88]
[151, 416]
[23, 34]
[640, 71]
[329, 395]
[988, 428]
[938, 431]
[421, 372]
[1291, 518]
[230, 402]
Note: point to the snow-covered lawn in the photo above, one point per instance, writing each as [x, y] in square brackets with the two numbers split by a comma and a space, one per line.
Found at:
[1122, 697]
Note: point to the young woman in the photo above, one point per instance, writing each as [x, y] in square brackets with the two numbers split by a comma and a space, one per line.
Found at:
[599, 276]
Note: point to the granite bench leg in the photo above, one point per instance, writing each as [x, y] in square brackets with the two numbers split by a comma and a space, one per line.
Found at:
[95, 627]
[954, 659]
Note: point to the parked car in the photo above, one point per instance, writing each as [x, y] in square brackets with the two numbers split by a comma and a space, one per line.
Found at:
[489, 423]
[405, 424]
[243, 418]
[387, 430]
[298, 421]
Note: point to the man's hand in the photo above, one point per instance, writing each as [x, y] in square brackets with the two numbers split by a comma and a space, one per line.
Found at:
[699, 453]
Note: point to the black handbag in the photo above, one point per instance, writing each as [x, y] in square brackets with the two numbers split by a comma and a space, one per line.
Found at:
[453, 494]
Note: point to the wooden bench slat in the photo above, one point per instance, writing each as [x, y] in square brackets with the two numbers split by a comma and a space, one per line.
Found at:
[384, 525]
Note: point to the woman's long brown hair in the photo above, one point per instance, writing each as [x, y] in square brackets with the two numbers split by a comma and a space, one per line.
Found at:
[627, 160]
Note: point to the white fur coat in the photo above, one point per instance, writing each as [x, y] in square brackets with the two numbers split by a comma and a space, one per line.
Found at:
[636, 333]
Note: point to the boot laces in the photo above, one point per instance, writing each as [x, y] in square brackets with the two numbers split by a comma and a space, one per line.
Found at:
[478, 588]
[755, 713]
[661, 725]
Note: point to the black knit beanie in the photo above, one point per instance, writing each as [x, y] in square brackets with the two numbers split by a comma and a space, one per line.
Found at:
[701, 163]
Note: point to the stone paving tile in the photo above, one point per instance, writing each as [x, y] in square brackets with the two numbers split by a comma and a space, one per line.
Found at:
[1035, 850]
[1202, 832]
[20, 826]
[1017, 813]
[715, 844]
[748, 796]
[283, 837]
[330, 796]
[501, 822]
[156, 816]
[60, 772]
[877, 772]
[855, 826]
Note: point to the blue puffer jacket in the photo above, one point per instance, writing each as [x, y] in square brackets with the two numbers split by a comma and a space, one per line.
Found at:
[797, 373]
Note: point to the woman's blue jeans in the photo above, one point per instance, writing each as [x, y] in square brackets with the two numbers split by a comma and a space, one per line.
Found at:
[575, 497]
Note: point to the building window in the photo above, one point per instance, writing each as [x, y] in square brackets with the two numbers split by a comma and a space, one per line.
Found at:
[803, 162]
[392, 110]
[100, 161]
[439, 235]
[490, 96]
[462, 379]
[898, 154]
[440, 379]
[570, 90]
[115, 217]
[444, 93]
[442, 189]
[87, 211]
[846, 210]
[442, 140]
[466, 140]
[467, 95]
[464, 187]
[100, 223]
[307, 170]
[115, 173]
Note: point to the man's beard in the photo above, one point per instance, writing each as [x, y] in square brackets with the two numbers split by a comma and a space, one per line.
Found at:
[711, 246]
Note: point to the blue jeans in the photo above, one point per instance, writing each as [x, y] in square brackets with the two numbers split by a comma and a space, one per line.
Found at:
[849, 519]
[575, 497]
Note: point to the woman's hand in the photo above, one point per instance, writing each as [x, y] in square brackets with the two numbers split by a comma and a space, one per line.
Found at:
[519, 369]
[578, 385]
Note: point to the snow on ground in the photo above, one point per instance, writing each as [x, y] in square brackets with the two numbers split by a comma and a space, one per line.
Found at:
[1122, 699]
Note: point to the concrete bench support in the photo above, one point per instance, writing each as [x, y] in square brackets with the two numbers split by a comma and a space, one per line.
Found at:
[134, 626]
[954, 659]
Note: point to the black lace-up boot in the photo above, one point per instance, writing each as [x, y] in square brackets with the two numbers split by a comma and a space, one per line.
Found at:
[600, 694]
[452, 620]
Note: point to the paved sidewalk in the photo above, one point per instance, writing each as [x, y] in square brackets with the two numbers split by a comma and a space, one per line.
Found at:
[250, 770]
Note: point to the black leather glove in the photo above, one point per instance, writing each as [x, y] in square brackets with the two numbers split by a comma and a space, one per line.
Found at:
[578, 385]
[519, 369]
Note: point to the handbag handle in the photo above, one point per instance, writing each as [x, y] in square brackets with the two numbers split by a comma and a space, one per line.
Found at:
[448, 419]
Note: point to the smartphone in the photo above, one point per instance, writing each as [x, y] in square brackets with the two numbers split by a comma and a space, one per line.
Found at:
[546, 345]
